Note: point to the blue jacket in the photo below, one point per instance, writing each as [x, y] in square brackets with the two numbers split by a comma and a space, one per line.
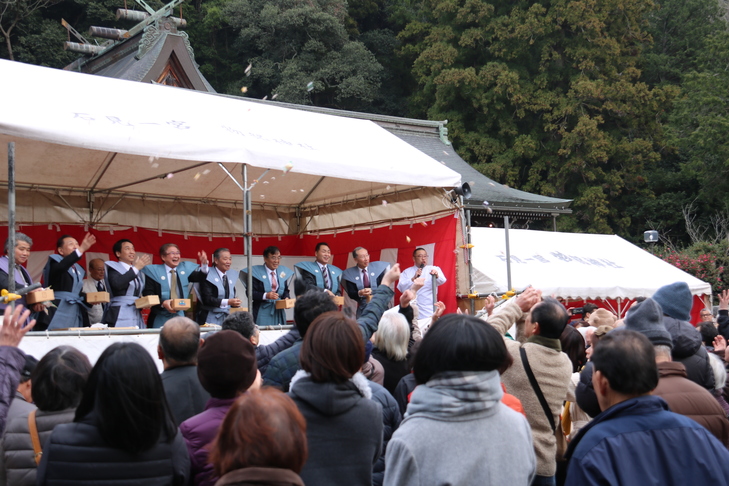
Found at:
[285, 364]
[639, 441]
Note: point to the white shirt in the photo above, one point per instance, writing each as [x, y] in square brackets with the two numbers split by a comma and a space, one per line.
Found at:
[223, 302]
[424, 298]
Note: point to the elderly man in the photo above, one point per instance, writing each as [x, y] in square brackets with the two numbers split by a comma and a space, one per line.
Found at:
[424, 299]
[23, 243]
[179, 342]
[94, 282]
[359, 280]
[270, 283]
[217, 291]
[541, 372]
[319, 274]
[171, 281]
[637, 440]
[65, 276]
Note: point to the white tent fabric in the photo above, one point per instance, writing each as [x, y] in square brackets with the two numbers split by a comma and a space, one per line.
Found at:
[572, 265]
[97, 135]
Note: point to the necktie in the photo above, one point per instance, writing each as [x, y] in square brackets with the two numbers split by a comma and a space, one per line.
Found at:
[274, 283]
[365, 278]
[225, 286]
[173, 284]
[100, 286]
[325, 273]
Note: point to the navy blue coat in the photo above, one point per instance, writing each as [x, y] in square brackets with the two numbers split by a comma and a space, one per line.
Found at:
[639, 441]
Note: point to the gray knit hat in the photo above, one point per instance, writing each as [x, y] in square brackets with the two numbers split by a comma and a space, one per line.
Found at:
[675, 300]
[647, 318]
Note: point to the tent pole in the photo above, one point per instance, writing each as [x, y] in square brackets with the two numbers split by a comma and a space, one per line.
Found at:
[508, 253]
[11, 219]
[247, 240]
[472, 302]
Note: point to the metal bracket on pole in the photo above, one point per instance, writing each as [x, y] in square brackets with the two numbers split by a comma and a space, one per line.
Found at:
[233, 179]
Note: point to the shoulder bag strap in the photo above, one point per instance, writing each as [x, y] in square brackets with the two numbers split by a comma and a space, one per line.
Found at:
[537, 390]
[33, 429]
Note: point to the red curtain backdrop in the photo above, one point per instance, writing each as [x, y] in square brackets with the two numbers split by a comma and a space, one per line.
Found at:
[404, 238]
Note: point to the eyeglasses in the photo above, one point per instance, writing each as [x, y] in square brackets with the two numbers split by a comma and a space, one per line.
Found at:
[173, 253]
[274, 257]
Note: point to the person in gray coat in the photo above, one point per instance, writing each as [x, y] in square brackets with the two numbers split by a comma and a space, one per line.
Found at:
[456, 430]
[343, 423]
[58, 383]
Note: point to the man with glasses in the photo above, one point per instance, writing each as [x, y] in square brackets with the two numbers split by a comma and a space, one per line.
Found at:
[270, 283]
[170, 281]
[421, 269]
[706, 316]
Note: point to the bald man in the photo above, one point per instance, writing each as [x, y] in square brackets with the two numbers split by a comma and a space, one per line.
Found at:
[179, 342]
[95, 283]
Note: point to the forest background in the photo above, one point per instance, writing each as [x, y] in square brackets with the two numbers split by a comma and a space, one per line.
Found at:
[620, 105]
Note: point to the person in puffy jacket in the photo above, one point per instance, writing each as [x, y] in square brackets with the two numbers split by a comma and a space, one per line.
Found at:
[676, 301]
[344, 425]
[58, 383]
[123, 431]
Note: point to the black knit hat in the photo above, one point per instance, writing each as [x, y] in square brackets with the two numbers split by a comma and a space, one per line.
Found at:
[647, 318]
[226, 364]
[675, 300]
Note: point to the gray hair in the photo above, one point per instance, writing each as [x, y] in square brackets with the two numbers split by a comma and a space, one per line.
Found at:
[663, 351]
[393, 335]
[719, 370]
[354, 252]
[18, 237]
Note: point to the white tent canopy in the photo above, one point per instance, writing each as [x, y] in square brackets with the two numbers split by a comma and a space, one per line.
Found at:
[94, 137]
[572, 265]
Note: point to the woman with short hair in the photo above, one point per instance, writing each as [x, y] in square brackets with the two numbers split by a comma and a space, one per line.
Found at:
[344, 426]
[123, 432]
[57, 383]
[457, 430]
[261, 441]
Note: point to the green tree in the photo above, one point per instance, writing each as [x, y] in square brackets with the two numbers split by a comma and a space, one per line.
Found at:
[699, 125]
[545, 96]
[301, 52]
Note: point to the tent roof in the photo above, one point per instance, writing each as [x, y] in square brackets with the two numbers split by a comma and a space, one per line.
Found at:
[572, 265]
[94, 134]
[431, 138]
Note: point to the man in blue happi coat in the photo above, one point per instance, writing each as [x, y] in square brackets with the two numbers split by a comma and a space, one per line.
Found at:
[171, 281]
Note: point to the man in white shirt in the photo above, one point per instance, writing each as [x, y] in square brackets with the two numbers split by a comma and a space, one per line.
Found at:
[95, 283]
[424, 299]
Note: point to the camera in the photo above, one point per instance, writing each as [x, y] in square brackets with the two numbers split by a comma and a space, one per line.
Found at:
[578, 310]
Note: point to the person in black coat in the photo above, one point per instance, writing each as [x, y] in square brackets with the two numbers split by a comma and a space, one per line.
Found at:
[123, 431]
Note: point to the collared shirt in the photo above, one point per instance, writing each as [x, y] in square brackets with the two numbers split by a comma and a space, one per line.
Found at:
[269, 271]
[424, 299]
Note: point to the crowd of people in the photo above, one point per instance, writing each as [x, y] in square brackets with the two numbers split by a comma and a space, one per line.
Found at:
[518, 396]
